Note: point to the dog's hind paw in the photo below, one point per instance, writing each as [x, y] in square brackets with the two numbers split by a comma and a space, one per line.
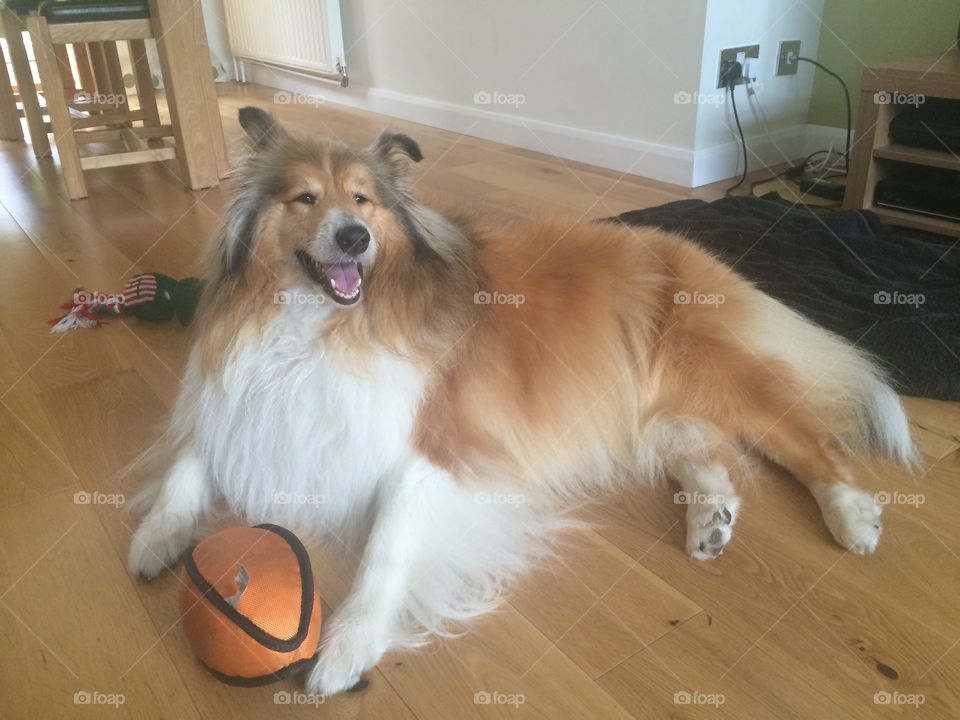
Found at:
[710, 523]
[852, 516]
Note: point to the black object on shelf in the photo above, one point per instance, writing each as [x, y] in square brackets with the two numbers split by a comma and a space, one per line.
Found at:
[928, 191]
[932, 123]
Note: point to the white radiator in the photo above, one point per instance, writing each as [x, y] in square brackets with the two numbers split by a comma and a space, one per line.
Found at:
[301, 35]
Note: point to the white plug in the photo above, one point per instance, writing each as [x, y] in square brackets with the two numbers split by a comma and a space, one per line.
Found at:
[750, 68]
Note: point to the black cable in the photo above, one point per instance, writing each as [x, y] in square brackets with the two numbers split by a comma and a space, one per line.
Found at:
[731, 87]
[846, 93]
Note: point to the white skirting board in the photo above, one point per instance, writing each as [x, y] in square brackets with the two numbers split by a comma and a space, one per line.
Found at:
[677, 165]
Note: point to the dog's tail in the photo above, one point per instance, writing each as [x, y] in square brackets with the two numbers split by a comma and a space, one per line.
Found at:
[842, 384]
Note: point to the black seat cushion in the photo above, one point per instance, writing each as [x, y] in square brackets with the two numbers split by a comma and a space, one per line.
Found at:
[73, 11]
[21, 6]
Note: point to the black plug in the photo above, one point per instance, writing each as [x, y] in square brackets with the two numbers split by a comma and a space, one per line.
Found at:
[730, 72]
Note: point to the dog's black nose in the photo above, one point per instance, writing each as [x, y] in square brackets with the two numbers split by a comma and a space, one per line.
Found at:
[353, 239]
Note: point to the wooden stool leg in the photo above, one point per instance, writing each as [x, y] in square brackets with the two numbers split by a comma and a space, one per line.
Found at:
[115, 76]
[178, 27]
[84, 70]
[48, 65]
[13, 28]
[98, 63]
[145, 93]
[66, 72]
[10, 128]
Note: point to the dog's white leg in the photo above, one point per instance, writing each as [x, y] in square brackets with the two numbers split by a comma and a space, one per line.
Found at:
[712, 506]
[171, 525]
[363, 627]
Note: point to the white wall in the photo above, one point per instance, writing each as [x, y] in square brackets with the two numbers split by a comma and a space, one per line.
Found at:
[774, 115]
[598, 80]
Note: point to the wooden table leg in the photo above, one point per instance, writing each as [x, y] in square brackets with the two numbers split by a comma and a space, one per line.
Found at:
[10, 128]
[84, 70]
[13, 27]
[185, 60]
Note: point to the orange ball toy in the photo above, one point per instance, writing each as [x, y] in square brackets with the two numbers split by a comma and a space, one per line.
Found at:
[250, 607]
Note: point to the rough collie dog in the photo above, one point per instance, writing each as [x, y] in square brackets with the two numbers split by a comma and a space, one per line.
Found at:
[439, 389]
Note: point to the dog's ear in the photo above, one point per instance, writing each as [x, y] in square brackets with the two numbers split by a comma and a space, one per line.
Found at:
[260, 125]
[398, 151]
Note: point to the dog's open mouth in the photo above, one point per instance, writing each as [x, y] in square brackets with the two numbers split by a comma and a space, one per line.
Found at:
[341, 281]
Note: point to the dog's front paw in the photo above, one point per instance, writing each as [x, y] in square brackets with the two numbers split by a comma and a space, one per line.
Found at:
[348, 649]
[156, 546]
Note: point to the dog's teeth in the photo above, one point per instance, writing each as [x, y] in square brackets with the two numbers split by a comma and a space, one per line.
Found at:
[333, 283]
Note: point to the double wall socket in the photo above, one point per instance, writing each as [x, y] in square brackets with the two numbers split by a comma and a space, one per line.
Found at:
[787, 57]
[728, 56]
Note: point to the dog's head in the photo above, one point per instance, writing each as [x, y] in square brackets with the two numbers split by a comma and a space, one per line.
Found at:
[315, 213]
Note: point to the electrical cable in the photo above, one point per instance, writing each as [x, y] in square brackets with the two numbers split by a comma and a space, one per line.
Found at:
[846, 93]
[731, 88]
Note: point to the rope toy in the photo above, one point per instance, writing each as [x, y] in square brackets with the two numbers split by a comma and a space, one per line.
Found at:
[151, 296]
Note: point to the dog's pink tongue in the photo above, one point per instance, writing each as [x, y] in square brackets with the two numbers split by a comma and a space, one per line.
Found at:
[346, 276]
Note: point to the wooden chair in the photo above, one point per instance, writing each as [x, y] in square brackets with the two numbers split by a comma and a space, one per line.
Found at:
[13, 15]
[195, 131]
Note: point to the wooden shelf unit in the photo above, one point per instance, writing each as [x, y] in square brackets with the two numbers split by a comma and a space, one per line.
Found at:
[934, 76]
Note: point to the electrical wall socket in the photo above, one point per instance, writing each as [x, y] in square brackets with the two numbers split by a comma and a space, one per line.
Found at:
[735, 54]
[787, 57]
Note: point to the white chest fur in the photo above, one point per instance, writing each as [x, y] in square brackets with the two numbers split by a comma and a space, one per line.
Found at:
[292, 437]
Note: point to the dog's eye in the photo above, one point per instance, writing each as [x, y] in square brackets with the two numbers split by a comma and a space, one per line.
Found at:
[359, 198]
[306, 198]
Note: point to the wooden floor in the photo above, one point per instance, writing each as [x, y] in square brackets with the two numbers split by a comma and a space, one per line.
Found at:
[784, 625]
